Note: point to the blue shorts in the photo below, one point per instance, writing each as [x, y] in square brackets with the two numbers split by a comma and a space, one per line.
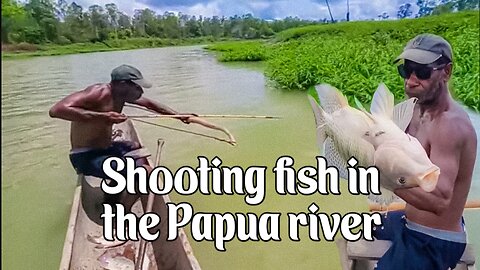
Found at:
[90, 161]
[417, 247]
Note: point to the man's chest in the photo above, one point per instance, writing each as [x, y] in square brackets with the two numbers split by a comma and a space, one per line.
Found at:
[422, 130]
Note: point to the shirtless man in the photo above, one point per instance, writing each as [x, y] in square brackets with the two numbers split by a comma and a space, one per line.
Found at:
[92, 112]
[430, 234]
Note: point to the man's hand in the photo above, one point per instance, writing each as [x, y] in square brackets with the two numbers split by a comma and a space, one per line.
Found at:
[186, 119]
[114, 117]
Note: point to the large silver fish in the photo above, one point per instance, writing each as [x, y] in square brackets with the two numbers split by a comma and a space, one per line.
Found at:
[398, 155]
[343, 132]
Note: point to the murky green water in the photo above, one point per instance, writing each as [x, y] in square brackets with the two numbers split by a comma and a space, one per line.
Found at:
[38, 181]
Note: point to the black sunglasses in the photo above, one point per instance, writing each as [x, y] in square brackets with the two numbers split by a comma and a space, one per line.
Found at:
[423, 72]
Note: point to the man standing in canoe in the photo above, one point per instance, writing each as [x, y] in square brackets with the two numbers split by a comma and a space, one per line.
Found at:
[430, 233]
[93, 111]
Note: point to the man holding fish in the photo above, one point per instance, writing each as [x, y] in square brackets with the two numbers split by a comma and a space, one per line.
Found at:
[430, 233]
[424, 149]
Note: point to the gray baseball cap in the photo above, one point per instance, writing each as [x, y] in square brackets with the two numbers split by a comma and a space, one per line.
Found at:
[129, 73]
[426, 49]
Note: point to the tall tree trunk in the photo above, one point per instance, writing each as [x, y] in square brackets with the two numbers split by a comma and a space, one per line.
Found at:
[329, 11]
[348, 11]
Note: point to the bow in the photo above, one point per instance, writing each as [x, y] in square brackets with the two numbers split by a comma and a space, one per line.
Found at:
[191, 119]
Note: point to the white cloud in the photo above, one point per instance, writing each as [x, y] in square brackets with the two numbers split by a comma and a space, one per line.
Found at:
[208, 10]
[267, 9]
[126, 6]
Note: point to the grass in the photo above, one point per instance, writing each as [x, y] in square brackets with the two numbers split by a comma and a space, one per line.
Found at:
[30, 50]
[255, 50]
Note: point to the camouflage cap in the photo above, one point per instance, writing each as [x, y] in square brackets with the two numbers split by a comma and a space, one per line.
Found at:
[129, 73]
[426, 49]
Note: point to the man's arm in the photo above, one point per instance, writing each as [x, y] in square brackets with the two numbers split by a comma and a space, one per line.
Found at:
[155, 106]
[445, 152]
[160, 108]
[75, 107]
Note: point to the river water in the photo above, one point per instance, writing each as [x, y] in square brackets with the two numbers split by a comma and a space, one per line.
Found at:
[38, 181]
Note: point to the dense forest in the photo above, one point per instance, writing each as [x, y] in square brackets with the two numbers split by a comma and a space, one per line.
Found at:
[39, 21]
[60, 22]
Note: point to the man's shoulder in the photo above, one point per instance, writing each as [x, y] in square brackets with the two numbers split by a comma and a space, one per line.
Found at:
[98, 87]
[97, 91]
[456, 124]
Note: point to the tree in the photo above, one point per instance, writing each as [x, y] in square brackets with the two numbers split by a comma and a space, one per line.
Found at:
[383, 16]
[404, 11]
[99, 22]
[113, 16]
[124, 25]
[43, 11]
[466, 4]
[61, 9]
[348, 11]
[12, 13]
[425, 7]
[329, 11]
[445, 6]
[76, 26]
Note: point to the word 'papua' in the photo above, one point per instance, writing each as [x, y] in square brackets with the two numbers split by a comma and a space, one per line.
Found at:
[224, 227]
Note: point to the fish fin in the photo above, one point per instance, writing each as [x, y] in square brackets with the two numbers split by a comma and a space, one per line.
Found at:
[331, 98]
[382, 102]
[334, 159]
[319, 114]
[403, 113]
[385, 198]
[428, 180]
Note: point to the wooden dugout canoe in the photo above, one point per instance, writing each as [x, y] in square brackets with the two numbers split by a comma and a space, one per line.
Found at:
[81, 253]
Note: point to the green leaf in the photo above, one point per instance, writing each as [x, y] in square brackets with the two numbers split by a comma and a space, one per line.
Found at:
[311, 91]
[359, 104]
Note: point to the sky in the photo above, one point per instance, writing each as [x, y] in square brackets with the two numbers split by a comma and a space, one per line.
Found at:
[265, 9]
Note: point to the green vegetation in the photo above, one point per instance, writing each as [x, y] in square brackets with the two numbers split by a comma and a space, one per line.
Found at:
[27, 50]
[56, 21]
[54, 27]
[240, 50]
[356, 56]
[353, 56]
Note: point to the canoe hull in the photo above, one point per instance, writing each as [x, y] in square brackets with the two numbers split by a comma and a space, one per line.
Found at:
[81, 253]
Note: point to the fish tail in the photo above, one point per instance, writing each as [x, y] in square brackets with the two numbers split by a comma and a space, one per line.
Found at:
[320, 122]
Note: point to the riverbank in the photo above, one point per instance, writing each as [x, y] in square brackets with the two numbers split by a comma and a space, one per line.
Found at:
[356, 56]
[24, 50]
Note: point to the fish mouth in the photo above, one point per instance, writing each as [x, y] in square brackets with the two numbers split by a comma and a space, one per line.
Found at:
[428, 180]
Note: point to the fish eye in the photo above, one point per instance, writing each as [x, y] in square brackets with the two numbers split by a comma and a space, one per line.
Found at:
[379, 133]
[367, 133]
[401, 180]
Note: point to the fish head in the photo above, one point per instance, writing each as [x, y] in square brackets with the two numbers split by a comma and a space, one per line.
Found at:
[382, 129]
[401, 170]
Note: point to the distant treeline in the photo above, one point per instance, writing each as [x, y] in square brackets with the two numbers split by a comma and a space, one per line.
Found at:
[41, 21]
[57, 21]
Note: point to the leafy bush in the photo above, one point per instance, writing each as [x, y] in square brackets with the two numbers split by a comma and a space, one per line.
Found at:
[356, 56]
[240, 51]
